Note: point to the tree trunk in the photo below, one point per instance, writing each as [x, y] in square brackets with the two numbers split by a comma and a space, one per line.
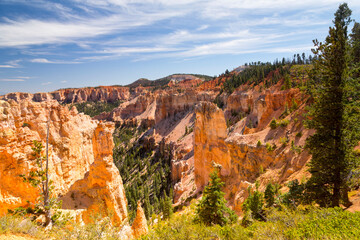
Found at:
[336, 190]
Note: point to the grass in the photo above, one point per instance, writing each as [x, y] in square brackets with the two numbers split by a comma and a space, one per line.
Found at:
[101, 229]
[310, 223]
[313, 223]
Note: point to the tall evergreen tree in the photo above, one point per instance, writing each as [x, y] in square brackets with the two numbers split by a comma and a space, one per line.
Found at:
[212, 207]
[330, 165]
[167, 207]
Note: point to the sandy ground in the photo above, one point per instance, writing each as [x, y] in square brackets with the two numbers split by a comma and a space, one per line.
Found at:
[355, 199]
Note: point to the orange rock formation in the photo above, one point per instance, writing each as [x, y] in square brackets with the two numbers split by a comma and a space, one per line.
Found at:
[209, 146]
[139, 226]
[72, 95]
[80, 155]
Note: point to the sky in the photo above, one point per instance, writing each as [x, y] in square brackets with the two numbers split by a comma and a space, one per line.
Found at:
[48, 45]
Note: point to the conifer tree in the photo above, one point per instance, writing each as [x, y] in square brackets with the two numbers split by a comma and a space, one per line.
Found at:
[254, 204]
[270, 194]
[212, 207]
[167, 207]
[329, 146]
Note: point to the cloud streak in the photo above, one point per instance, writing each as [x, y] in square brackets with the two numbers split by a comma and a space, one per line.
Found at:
[146, 29]
[11, 80]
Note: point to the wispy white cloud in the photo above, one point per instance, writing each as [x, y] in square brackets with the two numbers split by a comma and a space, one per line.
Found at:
[108, 29]
[64, 81]
[25, 32]
[44, 60]
[11, 64]
[15, 79]
[40, 60]
[6, 66]
[11, 80]
[46, 83]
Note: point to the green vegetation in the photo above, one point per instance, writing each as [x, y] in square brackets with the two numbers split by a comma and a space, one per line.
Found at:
[212, 208]
[311, 223]
[253, 205]
[100, 229]
[270, 147]
[95, 108]
[268, 73]
[271, 192]
[295, 148]
[284, 141]
[282, 123]
[273, 124]
[145, 169]
[334, 115]
[255, 73]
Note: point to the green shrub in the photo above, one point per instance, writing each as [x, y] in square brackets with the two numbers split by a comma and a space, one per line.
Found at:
[258, 143]
[294, 105]
[284, 141]
[273, 124]
[295, 148]
[286, 111]
[284, 122]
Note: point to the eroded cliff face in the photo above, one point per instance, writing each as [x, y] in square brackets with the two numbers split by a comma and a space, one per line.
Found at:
[70, 150]
[242, 159]
[76, 95]
[80, 157]
[101, 190]
[261, 106]
[153, 107]
[210, 149]
[91, 94]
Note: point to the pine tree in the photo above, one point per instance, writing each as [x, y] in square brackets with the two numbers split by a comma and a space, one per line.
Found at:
[270, 194]
[167, 207]
[212, 207]
[287, 82]
[329, 165]
[254, 204]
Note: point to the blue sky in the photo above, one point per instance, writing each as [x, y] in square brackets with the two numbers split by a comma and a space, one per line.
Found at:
[47, 45]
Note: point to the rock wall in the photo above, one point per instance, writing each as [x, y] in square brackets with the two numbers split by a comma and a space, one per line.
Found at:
[101, 190]
[209, 146]
[75, 95]
[242, 160]
[170, 103]
[261, 106]
[102, 93]
[80, 157]
[157, 106]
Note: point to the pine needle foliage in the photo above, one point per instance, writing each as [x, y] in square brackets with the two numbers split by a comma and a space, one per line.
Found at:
[212, 207]
[333, 142]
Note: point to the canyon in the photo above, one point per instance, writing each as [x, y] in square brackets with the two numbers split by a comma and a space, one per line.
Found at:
[180, 116]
